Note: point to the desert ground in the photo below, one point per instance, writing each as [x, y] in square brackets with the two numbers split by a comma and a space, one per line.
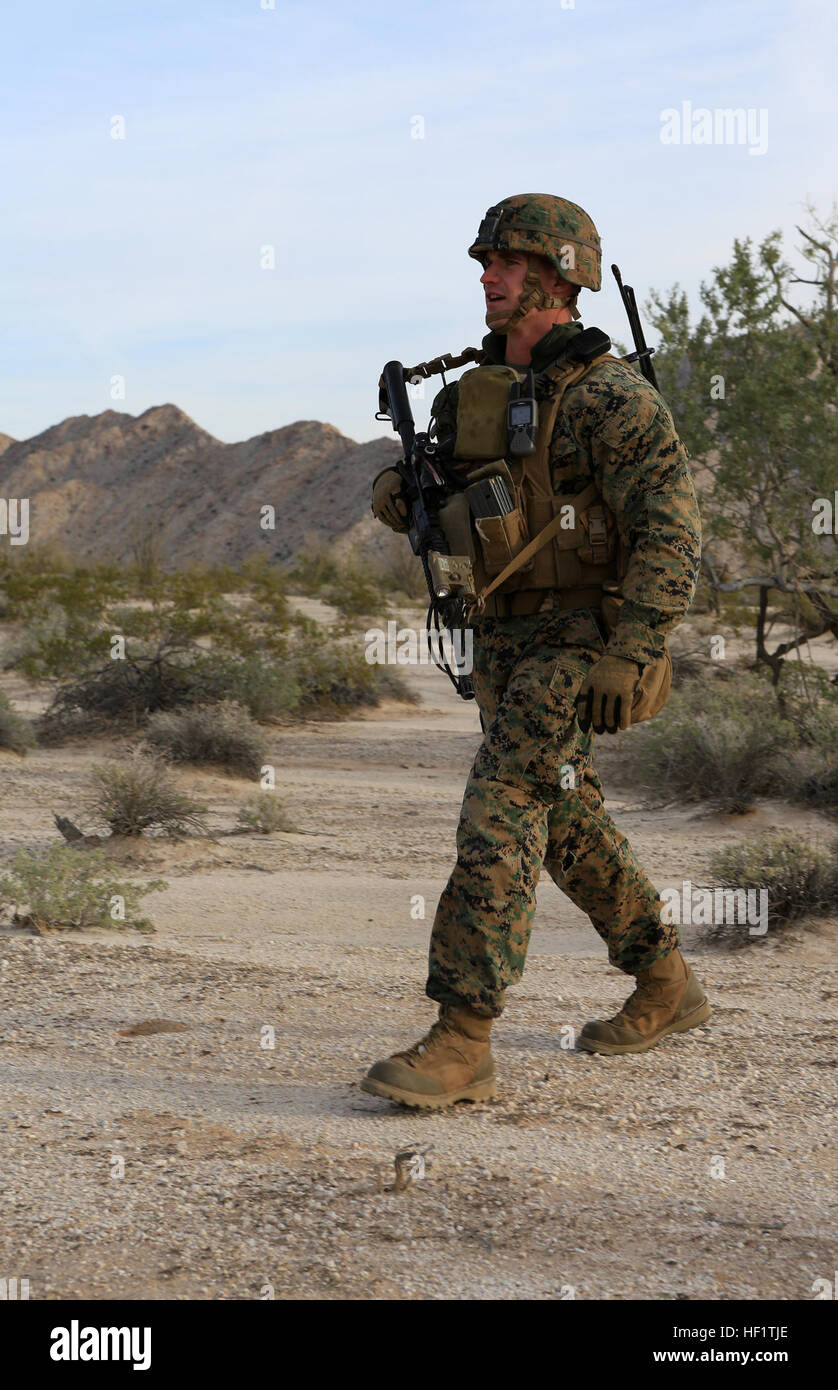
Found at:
[154, 1147]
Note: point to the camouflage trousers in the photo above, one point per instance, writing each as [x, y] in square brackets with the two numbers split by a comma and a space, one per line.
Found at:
[533, 798]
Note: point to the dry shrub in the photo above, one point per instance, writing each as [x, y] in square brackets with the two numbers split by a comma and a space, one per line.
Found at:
[142, 794]
[16, 733]
[265, 814]
[800, 879]
[223, 735]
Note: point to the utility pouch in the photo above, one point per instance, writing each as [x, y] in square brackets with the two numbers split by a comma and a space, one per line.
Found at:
[656, 680]
[482, 445]
[482, 402]
[500, 536]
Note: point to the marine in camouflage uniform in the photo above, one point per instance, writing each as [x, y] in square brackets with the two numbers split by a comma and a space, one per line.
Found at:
[533, 796]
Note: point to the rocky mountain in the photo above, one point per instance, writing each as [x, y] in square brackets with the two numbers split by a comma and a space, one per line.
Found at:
[100, 486]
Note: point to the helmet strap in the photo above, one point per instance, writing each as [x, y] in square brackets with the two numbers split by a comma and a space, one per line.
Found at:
[533, 296]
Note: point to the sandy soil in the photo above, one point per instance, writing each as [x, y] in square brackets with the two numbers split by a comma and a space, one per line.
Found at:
[198, 1163]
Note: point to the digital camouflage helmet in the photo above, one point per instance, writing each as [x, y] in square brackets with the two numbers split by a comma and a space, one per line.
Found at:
[539, 224]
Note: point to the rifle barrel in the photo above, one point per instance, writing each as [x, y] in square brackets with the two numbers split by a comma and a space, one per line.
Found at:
[400, 411]
[642, 354]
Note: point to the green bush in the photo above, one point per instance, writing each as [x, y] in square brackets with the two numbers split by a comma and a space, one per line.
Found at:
[268, 583]
[399, 574]
[264, 813]
[315, 568]
[317, 675]
[125, 692]
[349, 581]
[57, 643]
[390, 684]
[16, 733]
[187, 645]
[357, 590]
[46, 581]
[185, 588]
[68, 622]
[71, 888]
[148, 548]
[723, 742]
[332, 677]
[800, 880]
[132, 621]
[142, 794]
[809, 701]
[221, 734]
[728, 737]
[267, 687]
[820, 788]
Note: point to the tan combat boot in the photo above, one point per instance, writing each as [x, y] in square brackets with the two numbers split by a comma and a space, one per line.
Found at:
[452, 1062]
[668, 999]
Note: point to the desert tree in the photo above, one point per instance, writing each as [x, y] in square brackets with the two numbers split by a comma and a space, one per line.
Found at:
[752, 386]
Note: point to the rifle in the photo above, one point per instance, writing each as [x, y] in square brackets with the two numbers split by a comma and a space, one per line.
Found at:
[642, 354]
[427, 484]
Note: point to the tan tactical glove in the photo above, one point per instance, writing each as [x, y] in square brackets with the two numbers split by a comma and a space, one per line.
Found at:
[388, 502]
[607, 694]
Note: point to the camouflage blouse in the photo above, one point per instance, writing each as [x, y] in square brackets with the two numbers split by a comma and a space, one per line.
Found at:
[614, 429]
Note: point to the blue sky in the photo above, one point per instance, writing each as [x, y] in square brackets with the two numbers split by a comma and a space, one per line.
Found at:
[292, 127]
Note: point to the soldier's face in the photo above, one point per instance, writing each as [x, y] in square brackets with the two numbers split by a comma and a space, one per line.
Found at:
[503, 279]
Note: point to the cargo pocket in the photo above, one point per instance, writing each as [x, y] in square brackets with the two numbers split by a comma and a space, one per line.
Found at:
[570, 672]
[534, 723]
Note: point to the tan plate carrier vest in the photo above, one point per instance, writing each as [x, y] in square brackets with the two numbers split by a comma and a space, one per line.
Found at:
[566, 545]
[552, 543]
